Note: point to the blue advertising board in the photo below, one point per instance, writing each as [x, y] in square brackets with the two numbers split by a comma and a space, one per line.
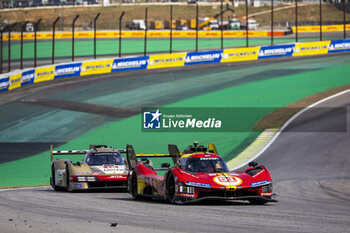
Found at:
[4, 83]
[196, 58]
[339, 46]
[132, 63]
[27, 77]
[67, 70]
[276, 51]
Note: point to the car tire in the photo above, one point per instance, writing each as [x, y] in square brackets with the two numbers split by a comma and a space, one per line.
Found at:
[171, 198]
[53, 179]
[133, 187]
[68, 178]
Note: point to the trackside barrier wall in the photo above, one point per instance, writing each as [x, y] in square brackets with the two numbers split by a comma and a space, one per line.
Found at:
[19, 78]
[141, 34]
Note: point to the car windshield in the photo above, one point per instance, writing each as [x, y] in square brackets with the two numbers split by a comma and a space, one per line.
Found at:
[105, 158]
[209, 165]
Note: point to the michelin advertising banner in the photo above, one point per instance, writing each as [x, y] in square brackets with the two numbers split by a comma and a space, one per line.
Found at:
[132, 63]
[4, 83]
[240, 54]
[339, 46]
[27, 77]
[276, 51]
[166, 60]
[196, 58]
[311, 48]
[96, 67]
[44, 74]
[41, 74]
[67, 70]
[15, 81]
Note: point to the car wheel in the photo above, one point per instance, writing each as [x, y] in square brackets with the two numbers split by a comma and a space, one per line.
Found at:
[53, 180]
[68, 179]
[133, 187]
[171, 189]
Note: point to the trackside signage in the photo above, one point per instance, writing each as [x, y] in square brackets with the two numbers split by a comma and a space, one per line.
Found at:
[68, 70]
[27, 77]
[339, 46]
[18, 78]
[276, 51]
[4, 83]
[196, 58]
[133, 63]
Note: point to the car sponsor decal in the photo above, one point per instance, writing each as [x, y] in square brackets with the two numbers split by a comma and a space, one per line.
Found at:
[77, 185]
[228, 180]
[259, 183]
[198, 184]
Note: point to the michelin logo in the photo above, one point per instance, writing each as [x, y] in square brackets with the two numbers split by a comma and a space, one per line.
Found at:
[279, 51]
[204, 57]
[27, 77]
[128, 64]
[68, 70]
[151, 120]
[4, 84]
[339, 46]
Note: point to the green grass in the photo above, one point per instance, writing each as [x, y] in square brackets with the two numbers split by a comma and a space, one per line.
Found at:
[276, 92]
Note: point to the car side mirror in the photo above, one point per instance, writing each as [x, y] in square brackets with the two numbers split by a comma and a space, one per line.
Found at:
[253, 164]
[165, 165]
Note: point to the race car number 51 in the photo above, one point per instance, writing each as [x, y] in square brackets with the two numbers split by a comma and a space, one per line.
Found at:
[228, 180]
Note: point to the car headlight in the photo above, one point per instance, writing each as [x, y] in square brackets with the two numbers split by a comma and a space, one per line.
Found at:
[186, 189]
[86, 178]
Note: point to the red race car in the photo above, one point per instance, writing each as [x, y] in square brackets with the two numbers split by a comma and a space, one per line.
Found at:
[198, 173]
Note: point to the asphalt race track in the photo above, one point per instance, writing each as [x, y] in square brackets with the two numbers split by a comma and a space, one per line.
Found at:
[311, 175]
[311, 179]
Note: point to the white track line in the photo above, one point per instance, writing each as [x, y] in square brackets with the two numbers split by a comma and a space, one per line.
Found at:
[288, 122]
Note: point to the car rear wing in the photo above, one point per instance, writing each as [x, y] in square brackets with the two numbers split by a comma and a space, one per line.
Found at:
[76, 152]
[132, 157]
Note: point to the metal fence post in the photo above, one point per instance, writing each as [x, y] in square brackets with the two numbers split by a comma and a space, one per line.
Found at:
[197, 27]
[9, 47]
[73, 23]
[246, 20]
[36, 26]
[53, 40]
[22, 29]
[1, 45]
[95, 27]
[120, 33]
[296, 21]
[320, 20]
[171, 29]
[344, 17]
[146, 27]
[222, 25]
[271, 22]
